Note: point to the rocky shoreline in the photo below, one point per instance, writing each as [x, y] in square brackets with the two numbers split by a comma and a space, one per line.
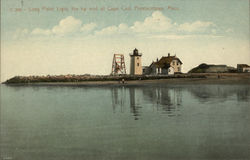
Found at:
[83, 78]
[128, 79]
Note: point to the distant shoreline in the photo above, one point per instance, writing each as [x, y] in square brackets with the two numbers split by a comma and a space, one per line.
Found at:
[197, 78]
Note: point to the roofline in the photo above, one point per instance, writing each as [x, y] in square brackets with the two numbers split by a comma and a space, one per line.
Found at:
[171, 61]
[132, 55]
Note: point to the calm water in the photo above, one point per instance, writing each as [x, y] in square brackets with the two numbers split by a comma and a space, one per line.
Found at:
[125, 122]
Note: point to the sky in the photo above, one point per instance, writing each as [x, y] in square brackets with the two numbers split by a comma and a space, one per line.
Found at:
[44, 37]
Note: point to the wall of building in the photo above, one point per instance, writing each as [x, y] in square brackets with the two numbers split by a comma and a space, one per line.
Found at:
[171, 70]
[146, 70]
[153, 70]
[176, 65]
[246, 69]
[243, 68]
[135, 65]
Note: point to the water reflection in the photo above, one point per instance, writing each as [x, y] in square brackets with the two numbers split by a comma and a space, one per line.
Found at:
[220, 93]
[169, 99]
[118, 97]
[164, 100]
[243, 94]
[61, 123]
[134, 101]
[119, 101]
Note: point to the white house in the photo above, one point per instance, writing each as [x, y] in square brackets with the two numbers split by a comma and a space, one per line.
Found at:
[166, 66]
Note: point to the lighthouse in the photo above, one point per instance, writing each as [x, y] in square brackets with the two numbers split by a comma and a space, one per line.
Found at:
[135, 63]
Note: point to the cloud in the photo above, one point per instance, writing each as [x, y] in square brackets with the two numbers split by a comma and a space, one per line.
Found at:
[39, 31]
[88, 27]
[122, 28]
[66, 26]
[197, 26]
[229, 30]
[157, 22]
[108, 30]
[175, 36]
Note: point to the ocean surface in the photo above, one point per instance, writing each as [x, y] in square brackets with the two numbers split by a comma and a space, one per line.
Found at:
[147, 122]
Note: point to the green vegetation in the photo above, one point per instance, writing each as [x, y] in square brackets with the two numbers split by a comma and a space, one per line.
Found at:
[200, 69]
[208, 68]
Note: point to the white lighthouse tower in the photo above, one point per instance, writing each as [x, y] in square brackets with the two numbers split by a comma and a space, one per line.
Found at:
[135, 63]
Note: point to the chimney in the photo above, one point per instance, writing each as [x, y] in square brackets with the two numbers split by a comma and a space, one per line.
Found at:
[168, 54]
[157, 60]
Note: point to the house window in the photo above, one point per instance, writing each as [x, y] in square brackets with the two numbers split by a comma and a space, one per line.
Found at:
[158, 70]
[179, 69]
[173, 63]
[138, 64]
[137, 57]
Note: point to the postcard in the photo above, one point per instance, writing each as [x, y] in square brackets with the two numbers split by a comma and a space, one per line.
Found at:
[118, 80]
